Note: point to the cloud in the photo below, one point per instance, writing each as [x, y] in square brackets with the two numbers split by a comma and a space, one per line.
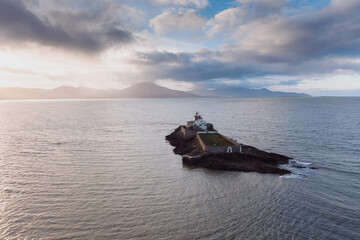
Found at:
[165, 58]
[17, 71]
[192, 67]
[312, 43]
[195, 3]
[331, 31]
[87, 31]
[245, 69]
[263, 7]
[254, 43]
[247, 11]
[226, 21]
[177, 21]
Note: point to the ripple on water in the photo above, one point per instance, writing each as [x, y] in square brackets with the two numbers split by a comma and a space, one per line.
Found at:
[102, 170]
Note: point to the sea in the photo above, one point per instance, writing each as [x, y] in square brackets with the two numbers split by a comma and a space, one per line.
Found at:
[102, 169]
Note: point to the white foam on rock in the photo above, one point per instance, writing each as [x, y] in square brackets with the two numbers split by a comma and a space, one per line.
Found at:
[298, 169]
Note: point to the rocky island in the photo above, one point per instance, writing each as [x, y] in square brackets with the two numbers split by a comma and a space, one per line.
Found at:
[200, 145]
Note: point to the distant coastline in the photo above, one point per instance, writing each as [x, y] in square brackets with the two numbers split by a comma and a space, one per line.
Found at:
[140, 90]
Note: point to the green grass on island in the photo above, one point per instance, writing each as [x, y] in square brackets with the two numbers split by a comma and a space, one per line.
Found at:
[214, 138]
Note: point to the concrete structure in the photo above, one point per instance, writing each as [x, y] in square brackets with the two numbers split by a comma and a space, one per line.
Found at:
[199, 126]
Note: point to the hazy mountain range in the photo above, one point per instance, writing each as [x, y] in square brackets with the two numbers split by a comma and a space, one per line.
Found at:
[141, 90]
[246, 93]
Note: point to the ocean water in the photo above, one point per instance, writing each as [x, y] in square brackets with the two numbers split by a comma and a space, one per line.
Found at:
[101, 169]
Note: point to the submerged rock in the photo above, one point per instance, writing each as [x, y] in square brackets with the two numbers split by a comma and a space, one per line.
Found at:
[250, 159]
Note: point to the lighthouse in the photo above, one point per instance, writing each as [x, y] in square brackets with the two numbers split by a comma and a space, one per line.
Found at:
[200, 123]
[197, 116]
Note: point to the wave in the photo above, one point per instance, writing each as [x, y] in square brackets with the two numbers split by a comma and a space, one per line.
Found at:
[299, 164]
[298, 169]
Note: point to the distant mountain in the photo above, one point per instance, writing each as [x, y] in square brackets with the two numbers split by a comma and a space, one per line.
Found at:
[151, 90]
[141, 90]
[246, 93]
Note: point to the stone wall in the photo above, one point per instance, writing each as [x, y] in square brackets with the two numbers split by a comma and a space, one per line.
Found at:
[201, 141]
[188, 132]
[221, 149]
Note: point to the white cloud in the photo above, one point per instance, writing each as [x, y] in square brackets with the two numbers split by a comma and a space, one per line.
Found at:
[196, 3]
[341, 71]
[247, 12]
[265, 36]
[226, 20]
[174, 21]
[163, 43]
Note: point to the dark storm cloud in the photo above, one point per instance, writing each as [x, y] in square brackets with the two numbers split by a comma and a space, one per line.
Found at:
[18, 24]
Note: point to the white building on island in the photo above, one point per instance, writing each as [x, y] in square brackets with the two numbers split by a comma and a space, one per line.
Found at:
[209, 139]
[199, 124]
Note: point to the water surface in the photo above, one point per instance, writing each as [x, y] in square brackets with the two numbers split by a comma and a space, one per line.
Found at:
[101, 169]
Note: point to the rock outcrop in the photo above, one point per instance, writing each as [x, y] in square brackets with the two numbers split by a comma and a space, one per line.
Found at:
[250, 159]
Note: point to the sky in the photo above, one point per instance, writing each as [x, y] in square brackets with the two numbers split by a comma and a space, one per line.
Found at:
[305, 46]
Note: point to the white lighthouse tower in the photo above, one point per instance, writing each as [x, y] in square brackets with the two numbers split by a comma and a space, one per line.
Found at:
[200, 123]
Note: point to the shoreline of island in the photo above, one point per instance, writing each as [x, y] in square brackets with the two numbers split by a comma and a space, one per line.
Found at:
[206, 148]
